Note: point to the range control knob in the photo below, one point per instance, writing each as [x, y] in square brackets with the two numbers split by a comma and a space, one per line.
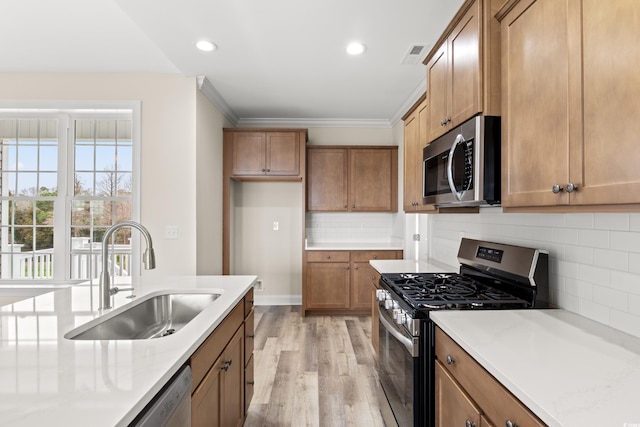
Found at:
[402, 318]
[380, 294]
[388, 304]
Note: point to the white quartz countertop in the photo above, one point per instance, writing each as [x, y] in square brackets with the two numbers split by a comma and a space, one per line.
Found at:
[570, 371]
[353, 246]
[47, 379]
[411, 266]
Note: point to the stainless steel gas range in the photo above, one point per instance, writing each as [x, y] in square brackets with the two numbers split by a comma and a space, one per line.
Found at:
[492, 276]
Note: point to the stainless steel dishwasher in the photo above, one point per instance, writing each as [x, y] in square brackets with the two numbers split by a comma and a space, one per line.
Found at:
[172, 406]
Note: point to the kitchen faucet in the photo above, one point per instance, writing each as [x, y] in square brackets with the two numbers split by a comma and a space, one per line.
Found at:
[148, 258]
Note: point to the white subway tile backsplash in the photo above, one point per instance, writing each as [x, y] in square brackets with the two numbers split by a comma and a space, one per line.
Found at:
[593, 238]
[613, 221]
[626, 282]
[625, 241]
[614, 260]
[594, 257]
[611, 298]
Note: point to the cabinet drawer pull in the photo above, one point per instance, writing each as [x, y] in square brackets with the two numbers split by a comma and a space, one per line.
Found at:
[226, 364]
[251, 336]
[469, 423]
[251, 382]
[450, 360]
[509, 423]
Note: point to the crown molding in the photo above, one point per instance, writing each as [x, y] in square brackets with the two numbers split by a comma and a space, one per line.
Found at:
[408, 103]
[208, 90]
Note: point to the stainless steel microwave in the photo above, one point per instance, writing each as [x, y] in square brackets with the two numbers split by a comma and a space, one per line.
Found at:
[462, 167]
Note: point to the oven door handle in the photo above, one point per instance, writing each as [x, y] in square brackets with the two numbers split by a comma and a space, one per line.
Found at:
[409, 343]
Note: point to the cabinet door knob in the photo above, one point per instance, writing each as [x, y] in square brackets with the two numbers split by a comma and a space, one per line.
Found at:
[251, 336]
[268, 170]
[450, 360]
[345, 206]
[347, 268]
[251, 382]
[557, 188]
[572, 187]
[375, 257]
[264, 170]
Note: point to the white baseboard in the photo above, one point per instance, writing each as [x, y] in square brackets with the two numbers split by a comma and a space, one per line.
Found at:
[276, 299]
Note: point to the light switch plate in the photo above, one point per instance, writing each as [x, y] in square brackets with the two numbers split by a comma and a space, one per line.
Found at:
[171, 232]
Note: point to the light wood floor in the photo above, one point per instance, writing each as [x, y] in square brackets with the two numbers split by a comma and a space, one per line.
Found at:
[316, 371]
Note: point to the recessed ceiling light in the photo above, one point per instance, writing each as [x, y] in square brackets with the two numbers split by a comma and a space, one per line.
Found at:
[206, 46]
[356, 48]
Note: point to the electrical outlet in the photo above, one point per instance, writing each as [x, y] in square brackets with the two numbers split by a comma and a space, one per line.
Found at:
[171, 232]
[258, 286]
[276, 225]
[416, 237]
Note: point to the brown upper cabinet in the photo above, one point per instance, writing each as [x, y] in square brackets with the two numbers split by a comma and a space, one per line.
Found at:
[274, 154]
[463, 70]
[570, 75]
[352, 179]
[415, 139]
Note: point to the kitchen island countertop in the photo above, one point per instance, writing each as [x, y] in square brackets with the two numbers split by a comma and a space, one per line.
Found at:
[570, 371]
[48, 379]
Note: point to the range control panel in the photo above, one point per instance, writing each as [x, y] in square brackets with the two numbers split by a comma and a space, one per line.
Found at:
[490, 254]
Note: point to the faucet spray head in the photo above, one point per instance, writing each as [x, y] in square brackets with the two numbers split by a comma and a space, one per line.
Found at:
[149, 259]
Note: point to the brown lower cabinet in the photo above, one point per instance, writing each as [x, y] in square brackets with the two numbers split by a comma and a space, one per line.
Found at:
[340, 281]
[467, 395]
[220, 396]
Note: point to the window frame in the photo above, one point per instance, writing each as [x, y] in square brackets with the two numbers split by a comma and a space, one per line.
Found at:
[66, 112]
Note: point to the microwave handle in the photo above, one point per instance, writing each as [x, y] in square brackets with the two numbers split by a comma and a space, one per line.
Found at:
[459, 139]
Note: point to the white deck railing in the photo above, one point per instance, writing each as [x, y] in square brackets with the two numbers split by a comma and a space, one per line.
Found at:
[86, 261]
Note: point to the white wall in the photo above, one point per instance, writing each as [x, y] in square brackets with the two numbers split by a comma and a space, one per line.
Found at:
[274, 255]
[209, 125]
[168, 151]
[594, 257]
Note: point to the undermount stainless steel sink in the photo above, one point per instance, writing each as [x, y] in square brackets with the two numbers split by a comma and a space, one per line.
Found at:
[154, 316]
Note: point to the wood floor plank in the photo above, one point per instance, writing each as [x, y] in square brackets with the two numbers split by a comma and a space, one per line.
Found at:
[313, 371]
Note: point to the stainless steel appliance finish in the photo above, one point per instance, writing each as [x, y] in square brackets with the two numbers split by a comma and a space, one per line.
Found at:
[172, 406]
[462, 167]
[492, 276]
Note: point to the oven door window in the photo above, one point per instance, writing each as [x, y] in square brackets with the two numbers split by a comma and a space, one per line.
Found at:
[396, 372]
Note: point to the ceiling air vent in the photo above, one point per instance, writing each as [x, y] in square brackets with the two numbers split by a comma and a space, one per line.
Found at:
[415, 54]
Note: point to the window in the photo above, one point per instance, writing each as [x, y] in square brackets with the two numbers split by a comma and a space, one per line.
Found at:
[66, 177]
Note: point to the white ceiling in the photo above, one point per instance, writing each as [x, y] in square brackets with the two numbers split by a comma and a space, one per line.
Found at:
[278, 59]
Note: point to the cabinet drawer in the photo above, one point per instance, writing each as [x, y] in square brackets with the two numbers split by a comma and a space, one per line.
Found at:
[248, 302]
[365, 256]
[209, 351]
[327, 256]
[496, 402]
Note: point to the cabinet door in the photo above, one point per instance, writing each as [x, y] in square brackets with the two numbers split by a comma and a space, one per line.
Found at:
[438, 93]
[606, 168]
[372, 174]
[205, 400]
[327, 285]
[232, 385]
[282, 153]
[535, 103]
[453, 406]
[327, 179]
[464, 67]
[249, 155]
[362, 276]
[411, 129]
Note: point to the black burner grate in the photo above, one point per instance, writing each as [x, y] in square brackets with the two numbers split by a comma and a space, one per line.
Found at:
[436, 291]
